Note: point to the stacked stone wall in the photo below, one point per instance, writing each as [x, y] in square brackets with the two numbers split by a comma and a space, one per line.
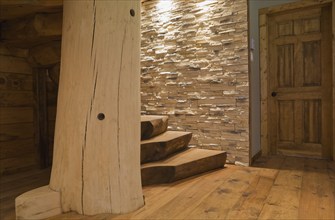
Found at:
[194, 68]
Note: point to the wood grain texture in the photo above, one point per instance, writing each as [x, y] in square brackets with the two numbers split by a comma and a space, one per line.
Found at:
[16, 99]
[182, 165]
[12, 64]
[10, 132]
[13, 185]
[163, 145]
[38, 203]
[152, 125]
[45, 55]
[17, 147]
[16, 115]
[18, 163]
[258, 193]
[15, 82]
[33, 30]
[20, 147]
[19, 8]
[96, 164]
[306, 33]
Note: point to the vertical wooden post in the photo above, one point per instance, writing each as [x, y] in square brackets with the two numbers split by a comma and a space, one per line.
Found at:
[96, 164]
[41, 116]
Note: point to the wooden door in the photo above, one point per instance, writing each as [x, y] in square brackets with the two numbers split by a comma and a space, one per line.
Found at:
[300, 82]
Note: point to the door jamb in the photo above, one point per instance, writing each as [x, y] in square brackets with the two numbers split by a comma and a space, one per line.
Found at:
[263, 32]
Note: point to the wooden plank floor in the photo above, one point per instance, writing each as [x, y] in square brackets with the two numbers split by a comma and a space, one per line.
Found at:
[275, 188]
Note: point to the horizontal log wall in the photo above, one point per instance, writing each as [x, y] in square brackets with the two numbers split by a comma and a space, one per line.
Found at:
[17, 132]
[195, 69]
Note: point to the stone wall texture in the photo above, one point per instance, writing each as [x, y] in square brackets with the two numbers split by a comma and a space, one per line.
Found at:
[194, 68]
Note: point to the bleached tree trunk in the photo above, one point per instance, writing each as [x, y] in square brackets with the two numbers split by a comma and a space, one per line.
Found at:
[96, 165]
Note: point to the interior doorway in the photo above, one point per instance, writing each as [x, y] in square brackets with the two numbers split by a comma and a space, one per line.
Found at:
[297, 80]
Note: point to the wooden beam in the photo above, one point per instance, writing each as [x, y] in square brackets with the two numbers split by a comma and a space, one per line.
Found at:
[31, 31]
[42, 117]
[11, 9]
[96, 164]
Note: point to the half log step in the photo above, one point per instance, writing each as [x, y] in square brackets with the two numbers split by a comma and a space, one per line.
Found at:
[163, 145]
[165, 156]
[153, 125]
[182, 165]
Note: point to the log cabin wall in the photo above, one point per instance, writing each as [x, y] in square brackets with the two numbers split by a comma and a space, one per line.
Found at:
[30, 41]
[195, 69]
[17, 129]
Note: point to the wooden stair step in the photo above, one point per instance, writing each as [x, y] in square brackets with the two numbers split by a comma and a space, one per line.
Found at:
[153, 125]
[182, 165]
[163, 145]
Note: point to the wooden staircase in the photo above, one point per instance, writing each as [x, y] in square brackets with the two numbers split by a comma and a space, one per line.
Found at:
[166, 157]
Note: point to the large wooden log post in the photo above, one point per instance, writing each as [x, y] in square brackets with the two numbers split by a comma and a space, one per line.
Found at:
[96, 164]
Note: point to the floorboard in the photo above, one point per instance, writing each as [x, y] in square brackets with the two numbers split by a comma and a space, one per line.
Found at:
[274, 188]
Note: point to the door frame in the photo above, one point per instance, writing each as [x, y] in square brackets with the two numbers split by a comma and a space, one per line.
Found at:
[263, 32]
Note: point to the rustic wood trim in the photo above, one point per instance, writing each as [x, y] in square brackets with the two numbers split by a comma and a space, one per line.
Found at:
[250, 91]
[255, 157]
[41, 117]
[263, 31]
[333, 21]
[292, 6]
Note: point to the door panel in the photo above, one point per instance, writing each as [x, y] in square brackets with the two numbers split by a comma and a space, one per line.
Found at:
[300, 83]
[312, 121]
[312, 64]
[286, 124]
[285, 65]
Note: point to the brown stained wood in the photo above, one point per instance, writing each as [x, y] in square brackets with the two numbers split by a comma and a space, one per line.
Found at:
[41, 111]
[317, 191]
[16, 115]
[288, 183]
[14, 9]
[251, 203]
[10, 51]
[9, 149]
[161, 146]
[16, 99]
[45, 55]
[18, 163]
[54, 73]
[17, 147]
[308, 26]
[52, 113]
[189, 198]
[211, 207]
[15, 82]
[179, 199]
[13, 185]
[153, 125]
[10, 64]
[182, 165]
[298, 107]
[10, 132]
[33, 30]
[96, 163]
[167, 193]
[294, 5]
